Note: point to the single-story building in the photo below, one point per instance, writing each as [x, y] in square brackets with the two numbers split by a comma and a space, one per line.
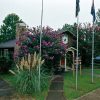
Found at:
[7, 48]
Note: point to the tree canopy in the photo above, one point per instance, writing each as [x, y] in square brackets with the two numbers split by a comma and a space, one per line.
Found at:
[98, 17]
[8, 29]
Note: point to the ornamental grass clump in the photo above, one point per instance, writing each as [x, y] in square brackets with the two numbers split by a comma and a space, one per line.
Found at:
[27, 74]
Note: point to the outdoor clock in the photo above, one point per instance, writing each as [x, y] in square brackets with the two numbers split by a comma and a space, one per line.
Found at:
[65, 39]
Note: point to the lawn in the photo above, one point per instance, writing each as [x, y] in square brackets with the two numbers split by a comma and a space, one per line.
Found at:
[84, 83]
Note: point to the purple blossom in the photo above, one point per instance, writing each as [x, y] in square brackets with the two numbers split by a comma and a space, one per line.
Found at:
[51, 43]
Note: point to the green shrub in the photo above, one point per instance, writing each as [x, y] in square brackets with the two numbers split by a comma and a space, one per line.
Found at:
[27, 82]
[27, 75]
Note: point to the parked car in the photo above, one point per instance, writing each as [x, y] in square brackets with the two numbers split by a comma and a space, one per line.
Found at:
[97, 59]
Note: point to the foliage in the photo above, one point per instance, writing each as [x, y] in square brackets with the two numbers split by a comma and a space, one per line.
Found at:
[97, 35]
[8, 29]
[71, 28]
[98, 17]
[97, 41]
[28, 75]
[51, 45]
[5, 64]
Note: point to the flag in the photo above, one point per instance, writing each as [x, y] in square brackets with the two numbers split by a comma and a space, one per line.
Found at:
[77, 7]
[93, 11]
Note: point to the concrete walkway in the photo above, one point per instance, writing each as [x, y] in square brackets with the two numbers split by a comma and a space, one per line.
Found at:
[5, 89]
[56, 89]
[94, 95]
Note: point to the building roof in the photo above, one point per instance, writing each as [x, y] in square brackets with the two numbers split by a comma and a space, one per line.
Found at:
[8, 44]
[68, 32]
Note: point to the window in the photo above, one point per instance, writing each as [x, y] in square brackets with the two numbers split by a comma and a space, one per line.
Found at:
[5, 52]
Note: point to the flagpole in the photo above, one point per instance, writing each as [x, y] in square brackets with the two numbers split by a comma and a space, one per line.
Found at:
[93, 54]
[94, 17]
[40, 45]
[77, 53]
[77, 15]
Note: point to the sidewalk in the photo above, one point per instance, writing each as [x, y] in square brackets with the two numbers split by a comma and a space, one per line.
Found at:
[94, 95]
[56, 89]
[5, 89]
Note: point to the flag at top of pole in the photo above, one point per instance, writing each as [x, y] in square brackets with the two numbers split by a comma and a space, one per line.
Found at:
[77, 7]
[93, 11]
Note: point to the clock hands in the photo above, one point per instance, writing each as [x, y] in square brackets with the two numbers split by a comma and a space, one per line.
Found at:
[64, 39]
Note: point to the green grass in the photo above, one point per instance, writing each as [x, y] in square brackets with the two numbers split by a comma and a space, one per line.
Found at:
[12, 81]
[9, 78]
[84, 84]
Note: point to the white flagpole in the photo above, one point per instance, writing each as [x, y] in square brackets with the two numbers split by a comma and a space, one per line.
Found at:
[77, 52]
[93, 53]
[40, 44]
[93, 14]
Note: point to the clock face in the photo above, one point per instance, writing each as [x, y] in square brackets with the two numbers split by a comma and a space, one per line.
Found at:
[65, 39]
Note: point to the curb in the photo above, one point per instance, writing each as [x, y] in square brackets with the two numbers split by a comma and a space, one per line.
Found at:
[86, 94]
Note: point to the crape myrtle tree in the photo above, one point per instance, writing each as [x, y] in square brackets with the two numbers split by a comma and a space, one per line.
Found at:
[97, 41]
[85, 40]
[52, 46]
[97, 35]
[85, 43]
[8, 29]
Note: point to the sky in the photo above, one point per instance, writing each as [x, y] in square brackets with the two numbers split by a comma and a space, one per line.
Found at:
[56, 12]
